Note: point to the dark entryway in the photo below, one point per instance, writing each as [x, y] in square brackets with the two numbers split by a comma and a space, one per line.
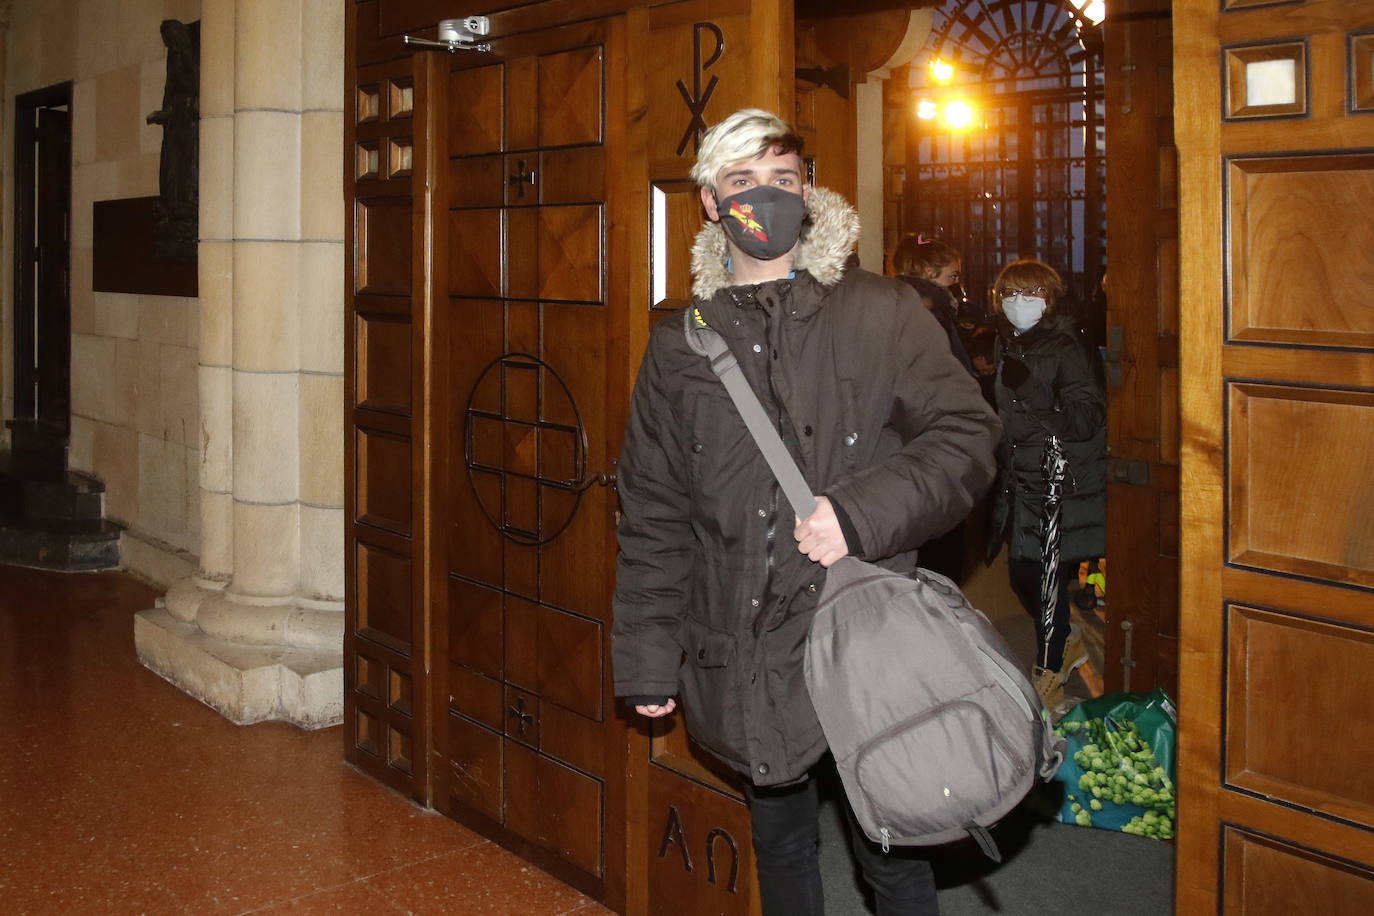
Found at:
[42, 295]
[50, 516]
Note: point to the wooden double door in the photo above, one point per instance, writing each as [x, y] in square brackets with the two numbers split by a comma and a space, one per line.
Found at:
[1276, 177]
[520, 220]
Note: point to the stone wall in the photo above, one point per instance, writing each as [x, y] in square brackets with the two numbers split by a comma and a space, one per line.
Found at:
[135, 404]
[215, 423]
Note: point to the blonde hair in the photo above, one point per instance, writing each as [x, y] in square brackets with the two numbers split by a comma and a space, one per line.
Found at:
[1028, 273]
[743, 136]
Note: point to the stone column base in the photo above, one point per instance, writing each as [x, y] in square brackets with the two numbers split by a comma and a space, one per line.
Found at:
[243, 683]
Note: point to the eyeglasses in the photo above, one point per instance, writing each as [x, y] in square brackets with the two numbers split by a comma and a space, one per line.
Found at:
[1036, 293]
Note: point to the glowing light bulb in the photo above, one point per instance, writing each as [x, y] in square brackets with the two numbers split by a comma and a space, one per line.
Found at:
[942, 71]
[958, 114]
[925, 109]
[1095, 11]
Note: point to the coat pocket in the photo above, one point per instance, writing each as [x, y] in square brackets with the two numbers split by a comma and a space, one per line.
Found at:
[710, 696]
[708, 649]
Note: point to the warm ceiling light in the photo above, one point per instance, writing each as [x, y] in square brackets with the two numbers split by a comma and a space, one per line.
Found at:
[925, 109]
[1092, 10]
[959, 114]
[941, 71]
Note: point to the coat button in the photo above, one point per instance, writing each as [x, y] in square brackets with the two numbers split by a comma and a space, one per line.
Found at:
[763, 769]
[754, 602]
[811, 587]
[758, 348]
[696, 447]
[762, 513]
[807, 429]
[850, 439]
[701, 655]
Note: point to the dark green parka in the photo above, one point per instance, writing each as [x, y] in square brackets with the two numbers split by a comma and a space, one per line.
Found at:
[713, 600]
[1064, 397]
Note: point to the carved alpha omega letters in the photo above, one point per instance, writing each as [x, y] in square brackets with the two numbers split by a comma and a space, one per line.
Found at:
[673, 832]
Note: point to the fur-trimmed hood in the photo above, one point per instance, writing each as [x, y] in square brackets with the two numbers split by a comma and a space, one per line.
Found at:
[828, 237]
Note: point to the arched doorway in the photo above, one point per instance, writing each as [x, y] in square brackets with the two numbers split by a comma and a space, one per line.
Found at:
[1006, 152]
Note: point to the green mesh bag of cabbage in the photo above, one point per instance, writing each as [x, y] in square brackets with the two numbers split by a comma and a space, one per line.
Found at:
[1118, 771]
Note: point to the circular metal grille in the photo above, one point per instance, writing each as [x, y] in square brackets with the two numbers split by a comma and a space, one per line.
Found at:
[517, 458]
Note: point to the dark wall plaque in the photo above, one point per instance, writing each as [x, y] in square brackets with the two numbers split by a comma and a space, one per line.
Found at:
[124, 259]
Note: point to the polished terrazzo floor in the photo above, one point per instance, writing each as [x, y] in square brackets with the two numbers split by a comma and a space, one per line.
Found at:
[121, 795]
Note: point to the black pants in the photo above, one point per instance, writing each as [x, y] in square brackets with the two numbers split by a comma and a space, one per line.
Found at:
[1025, 581]
[786, 845]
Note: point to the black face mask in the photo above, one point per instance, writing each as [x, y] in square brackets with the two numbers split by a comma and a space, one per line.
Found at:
[764, 222]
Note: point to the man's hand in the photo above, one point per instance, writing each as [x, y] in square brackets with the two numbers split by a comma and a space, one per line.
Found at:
[657, 712]
[819, 535]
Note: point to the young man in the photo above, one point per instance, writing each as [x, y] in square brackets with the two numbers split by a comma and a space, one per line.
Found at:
[718, 578]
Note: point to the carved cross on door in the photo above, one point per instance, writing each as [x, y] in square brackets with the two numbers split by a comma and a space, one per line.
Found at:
[521, 178]
[522, 718]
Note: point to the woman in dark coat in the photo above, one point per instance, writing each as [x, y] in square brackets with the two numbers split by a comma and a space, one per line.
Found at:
[1049, 383]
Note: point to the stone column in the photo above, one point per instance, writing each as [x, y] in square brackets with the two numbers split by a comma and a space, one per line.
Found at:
[875, 137]
[257, 633]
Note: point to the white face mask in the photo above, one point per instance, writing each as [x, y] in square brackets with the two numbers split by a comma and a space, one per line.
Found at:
[1023, 311]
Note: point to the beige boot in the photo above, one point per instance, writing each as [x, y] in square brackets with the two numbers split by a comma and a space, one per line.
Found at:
[1049, 685]
[1075, 654]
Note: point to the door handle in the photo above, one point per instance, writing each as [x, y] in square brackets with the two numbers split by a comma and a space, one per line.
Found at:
[601, 478]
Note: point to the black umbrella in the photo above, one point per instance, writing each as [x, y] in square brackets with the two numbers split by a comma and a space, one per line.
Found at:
[1055, 469]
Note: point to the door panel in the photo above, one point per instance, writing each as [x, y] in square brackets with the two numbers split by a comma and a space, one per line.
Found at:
[569, 239]
[570, 93]
[474, 265]
[553, 806]
[701, 857]
[1280, 205]
[1276, 805]
[1142, 350]
[528, 535]
[1267, 877]
[385, 688]
[1266, 709]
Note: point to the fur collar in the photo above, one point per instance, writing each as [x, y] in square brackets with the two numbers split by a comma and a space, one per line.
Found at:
[827, 240]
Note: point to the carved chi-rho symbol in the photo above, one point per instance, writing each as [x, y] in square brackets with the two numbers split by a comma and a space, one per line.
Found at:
[696, 100]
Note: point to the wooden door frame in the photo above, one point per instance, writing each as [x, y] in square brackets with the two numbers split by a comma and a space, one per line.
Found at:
[1142, 355]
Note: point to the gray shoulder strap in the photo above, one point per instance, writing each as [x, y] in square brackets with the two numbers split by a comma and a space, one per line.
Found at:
[704, 340]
